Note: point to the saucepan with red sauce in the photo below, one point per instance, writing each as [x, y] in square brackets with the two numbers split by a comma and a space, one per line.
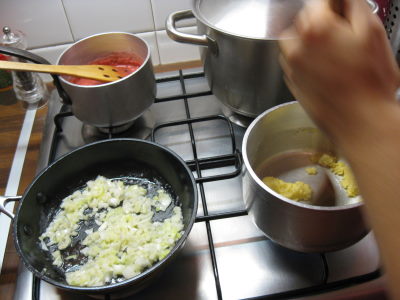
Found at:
[124, 63]
[115, 103]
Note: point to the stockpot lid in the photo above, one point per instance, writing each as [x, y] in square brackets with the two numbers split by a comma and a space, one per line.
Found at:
[257, 19]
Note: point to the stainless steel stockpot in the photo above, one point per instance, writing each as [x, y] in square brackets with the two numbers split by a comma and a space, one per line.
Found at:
[114, 103]
[240, 53]
[302, 227]
[240, 50]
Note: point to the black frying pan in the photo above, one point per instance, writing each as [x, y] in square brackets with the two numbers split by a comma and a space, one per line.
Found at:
[114, 158]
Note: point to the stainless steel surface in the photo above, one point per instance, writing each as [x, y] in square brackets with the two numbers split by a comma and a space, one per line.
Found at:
[374, 290]
[201, 40]
[236, 118]
[115, 103]
[243, 72]
[239, 49]
[373, 5]
[257, 19]
[280, 143]
[24, 286]
[249, 265]
[392, 26]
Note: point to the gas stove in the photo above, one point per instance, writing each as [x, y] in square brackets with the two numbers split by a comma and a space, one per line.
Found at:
[225, 255]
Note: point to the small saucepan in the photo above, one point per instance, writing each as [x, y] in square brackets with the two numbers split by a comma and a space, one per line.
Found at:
[114, 158]
[282, 143]
[115, 103]
[109, 104]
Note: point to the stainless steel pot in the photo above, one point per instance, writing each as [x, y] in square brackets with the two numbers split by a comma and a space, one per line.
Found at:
[286, 132]
[239, 40]
[240, 60]
[115, 103]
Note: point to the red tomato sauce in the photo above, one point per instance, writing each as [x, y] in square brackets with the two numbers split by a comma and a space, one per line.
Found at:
[125, 62]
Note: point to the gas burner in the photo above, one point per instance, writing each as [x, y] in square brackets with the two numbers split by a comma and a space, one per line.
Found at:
[116, 129]
[140, 129]
[235, 118]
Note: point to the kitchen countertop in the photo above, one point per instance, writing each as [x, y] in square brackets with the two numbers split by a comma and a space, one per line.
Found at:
[12, 116]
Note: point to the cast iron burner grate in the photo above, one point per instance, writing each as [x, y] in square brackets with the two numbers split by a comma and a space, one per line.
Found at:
[198, 165]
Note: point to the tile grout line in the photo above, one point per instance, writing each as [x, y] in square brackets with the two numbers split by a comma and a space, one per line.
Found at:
[69, 23]
[15, 177]
[155, 31]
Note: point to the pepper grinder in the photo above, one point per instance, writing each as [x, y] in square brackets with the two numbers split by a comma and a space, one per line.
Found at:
[28, 86]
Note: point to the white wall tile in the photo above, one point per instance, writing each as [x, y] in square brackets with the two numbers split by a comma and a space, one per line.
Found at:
[43, 21]
[173, 52]
[163, 8]
[51, 53]
[95, 16]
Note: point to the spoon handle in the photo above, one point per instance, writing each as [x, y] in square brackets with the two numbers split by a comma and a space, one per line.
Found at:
[97, 72]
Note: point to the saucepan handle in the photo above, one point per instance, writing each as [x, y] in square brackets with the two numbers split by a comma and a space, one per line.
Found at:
[3, 202]
[182, 37]
[373, 5]
[39, 60]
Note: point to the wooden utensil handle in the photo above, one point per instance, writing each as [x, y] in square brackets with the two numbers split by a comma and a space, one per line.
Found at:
[97, 72]
[17, 66]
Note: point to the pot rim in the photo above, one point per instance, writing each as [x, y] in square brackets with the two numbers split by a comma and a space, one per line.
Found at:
[259, 182]
[125, 283]
[145, 61]
[195, 10]
[231, 34]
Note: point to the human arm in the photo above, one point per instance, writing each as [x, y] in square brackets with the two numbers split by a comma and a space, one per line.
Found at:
[342, 71]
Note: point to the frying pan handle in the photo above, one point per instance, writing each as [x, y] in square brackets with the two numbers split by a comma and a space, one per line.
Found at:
[4, 200]
[181, 37]
[39, 60]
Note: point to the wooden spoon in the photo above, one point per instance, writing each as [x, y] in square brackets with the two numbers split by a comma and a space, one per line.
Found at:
[97, 72]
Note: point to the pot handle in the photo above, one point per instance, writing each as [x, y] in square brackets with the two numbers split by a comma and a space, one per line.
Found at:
[4, 200]
[373, 5]
[181, 37]
[39, 60]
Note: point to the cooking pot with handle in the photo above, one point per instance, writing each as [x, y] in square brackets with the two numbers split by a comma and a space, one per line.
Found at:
[109, 104]
[114, 103]
[239, 49]
[281, 142]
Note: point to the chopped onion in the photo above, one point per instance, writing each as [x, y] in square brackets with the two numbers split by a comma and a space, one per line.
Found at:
[126, 242]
